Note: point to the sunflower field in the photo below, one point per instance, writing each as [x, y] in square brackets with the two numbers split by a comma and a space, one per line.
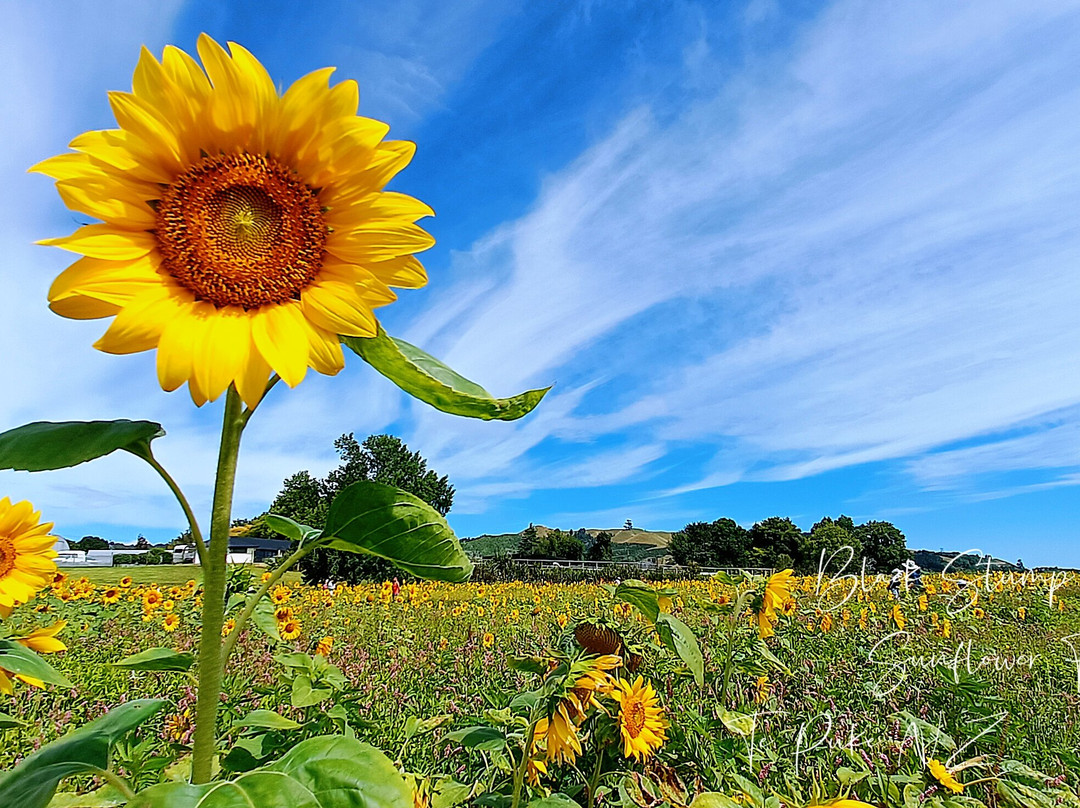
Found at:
[806, 692]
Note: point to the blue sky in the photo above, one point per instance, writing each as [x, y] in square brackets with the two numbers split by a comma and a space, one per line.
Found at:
[778, 259]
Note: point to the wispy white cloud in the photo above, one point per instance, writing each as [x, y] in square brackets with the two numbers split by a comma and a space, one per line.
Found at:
[879, 218]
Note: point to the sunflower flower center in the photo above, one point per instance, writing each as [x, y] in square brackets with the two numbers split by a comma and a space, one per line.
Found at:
[241, 230]
[634, 718]
[7, 555]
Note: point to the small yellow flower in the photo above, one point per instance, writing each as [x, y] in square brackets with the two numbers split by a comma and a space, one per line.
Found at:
[290, 629]
[110, 596]
[125, 582]
[489, 639]
[944, 776]
[171, 622]
[325, 646]
[227, 628]
[1022, 612]
[280, 595]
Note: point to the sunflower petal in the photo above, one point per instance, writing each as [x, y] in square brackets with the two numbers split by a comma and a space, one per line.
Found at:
[280, 336]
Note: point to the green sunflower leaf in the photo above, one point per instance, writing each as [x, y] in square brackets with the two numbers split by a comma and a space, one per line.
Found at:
[17, 658]
[33, 782]
[678, 637]
[45, 445]
[389, 523]
[641, 596]
[324, 772]
[156, 659]
[424, 377]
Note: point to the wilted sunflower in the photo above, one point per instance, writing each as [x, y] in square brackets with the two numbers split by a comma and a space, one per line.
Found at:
[641, 721]
[241, 231]
[560, 735]
[26, 554]
[325, 646]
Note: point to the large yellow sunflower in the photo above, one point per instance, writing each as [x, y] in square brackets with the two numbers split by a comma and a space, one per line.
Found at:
[641, 721]
[26, 554]
[241, 231]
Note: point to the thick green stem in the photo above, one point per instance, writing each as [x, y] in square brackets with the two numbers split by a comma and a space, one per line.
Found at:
[193, 524]
[594, 781]
[253, 601]
[733, 625]
[214, 573]
[523, 766]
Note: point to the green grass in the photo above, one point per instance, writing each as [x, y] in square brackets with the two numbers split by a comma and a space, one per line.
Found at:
[164, 574]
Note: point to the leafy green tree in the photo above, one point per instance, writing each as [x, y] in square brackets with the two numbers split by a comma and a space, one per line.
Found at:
[723, 543]
[90, 543]
[775, 542]
[883, 545]
[826, 546]
[380, 458]
[554, 544]
[600, 549]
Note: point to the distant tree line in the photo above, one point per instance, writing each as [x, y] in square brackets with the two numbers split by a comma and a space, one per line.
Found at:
[559, 544]
[777, 542]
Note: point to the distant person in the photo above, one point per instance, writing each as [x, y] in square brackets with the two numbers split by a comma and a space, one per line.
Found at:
[908, 575]
[396, 587]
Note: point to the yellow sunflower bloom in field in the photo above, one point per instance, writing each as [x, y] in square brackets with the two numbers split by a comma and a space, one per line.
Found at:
[290, 629]
[240, 231]
[944, 776]
[43, 640]
[324, 646]
[171, 622]
[26, 554]
[40, 640]
[641, 721]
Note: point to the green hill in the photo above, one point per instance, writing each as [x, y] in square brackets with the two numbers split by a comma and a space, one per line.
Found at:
[630, 544]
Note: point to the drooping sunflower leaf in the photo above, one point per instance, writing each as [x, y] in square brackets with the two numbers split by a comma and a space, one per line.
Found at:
[266, 719]
[264, 619]
[641, 596]
[389, 523]
[424, 377]
[17, 658]
[10, 722]
[739, 723]
[157, 659]
[44, 445]
[324, 772]
[33, 782]
[485, 738]
[678, 637]
[288, 528]
[553, 801]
